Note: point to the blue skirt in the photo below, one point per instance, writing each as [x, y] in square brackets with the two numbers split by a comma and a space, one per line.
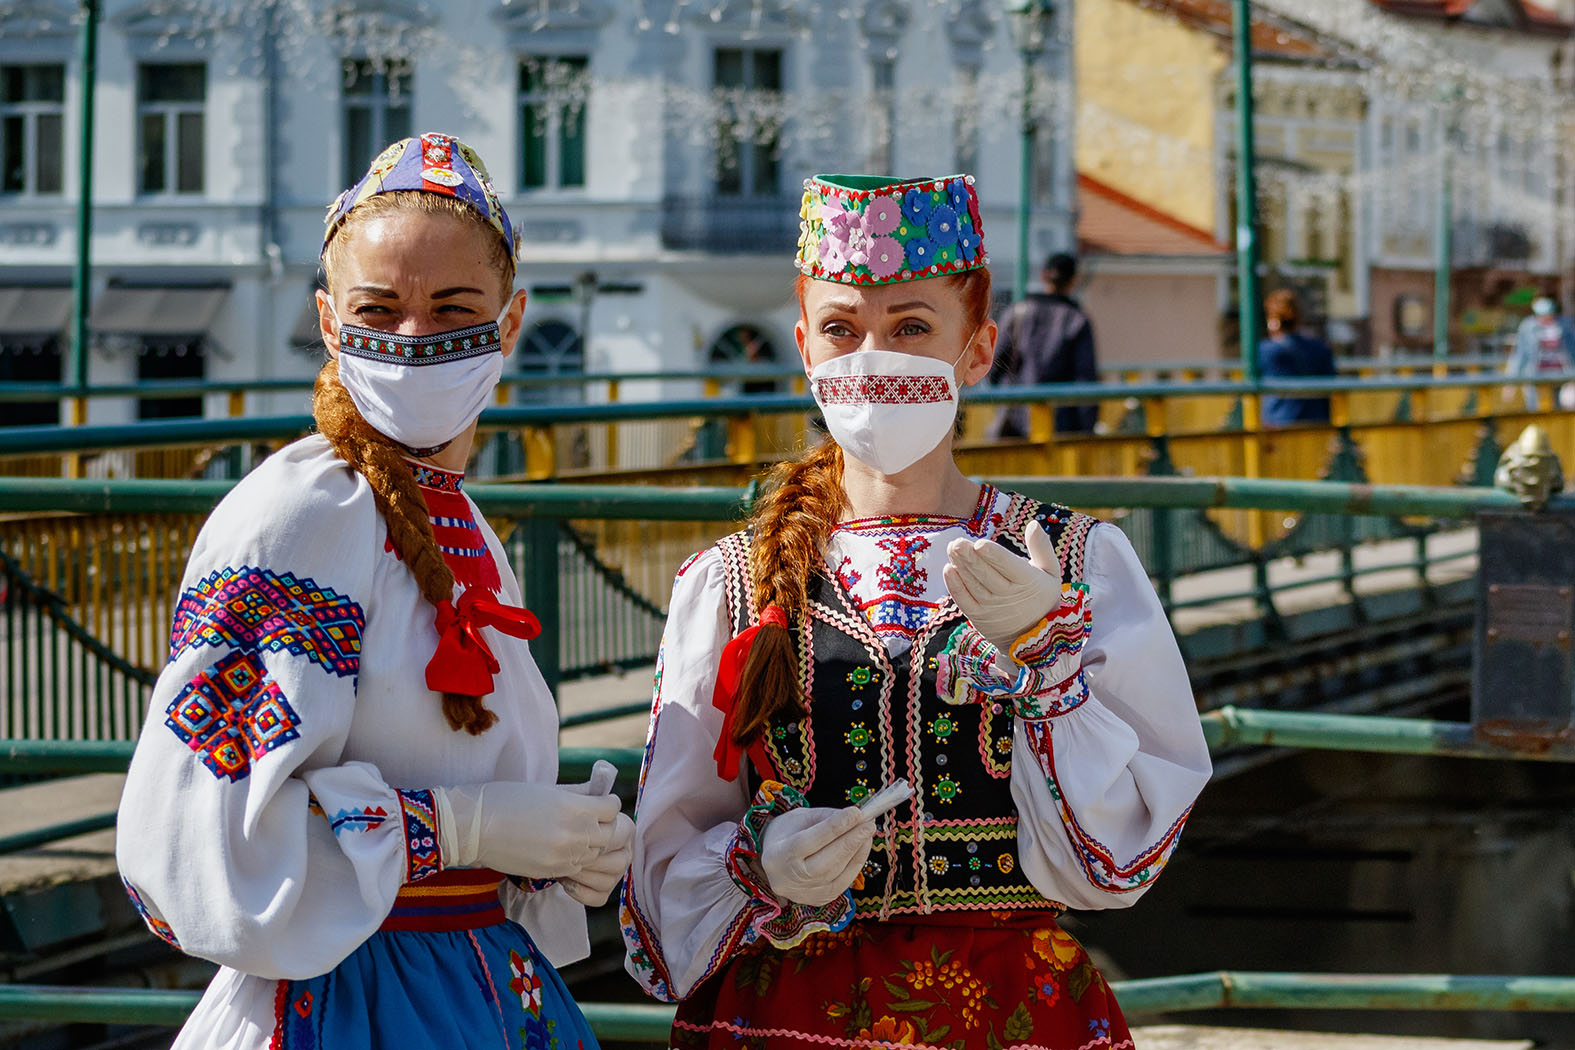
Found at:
[448, 970]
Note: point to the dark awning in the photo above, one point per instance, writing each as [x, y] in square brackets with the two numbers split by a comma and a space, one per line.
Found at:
[157, 311]
[25, 309]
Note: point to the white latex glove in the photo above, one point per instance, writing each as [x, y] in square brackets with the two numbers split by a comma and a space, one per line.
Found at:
[539, 831]
[1001, 594]
[603, 775]
[811, 855]
[594, 882]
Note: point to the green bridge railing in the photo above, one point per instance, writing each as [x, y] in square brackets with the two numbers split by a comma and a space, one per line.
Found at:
[649, 1023]
[595, 619]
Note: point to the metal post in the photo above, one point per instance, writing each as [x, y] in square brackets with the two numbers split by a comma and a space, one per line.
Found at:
[1246, 197]
[1445, 240]
[1025, 181]
[543, 595]
[76, 378]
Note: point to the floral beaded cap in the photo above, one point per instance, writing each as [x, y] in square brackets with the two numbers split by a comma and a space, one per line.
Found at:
[869, 229]
[430, 163]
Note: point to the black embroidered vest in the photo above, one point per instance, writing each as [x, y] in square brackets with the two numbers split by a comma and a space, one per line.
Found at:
[953, 845]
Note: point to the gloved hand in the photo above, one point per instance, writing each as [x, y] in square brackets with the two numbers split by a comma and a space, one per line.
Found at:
[1001, 594]
[603, 775]
[594, 882]
[539, 831]
[811, 855]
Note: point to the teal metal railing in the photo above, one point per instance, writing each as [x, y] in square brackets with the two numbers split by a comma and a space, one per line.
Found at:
[521, 381]
[574, 545]
[649, 1023]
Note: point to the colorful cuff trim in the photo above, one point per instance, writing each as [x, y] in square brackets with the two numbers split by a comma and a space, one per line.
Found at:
[783, 923]
[1059, 635]
[532, 885]
[160, 928]
[1042, 676]
[422, 859]
[863, 229]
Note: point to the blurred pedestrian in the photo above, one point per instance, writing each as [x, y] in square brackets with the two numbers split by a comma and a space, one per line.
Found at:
[1047, 338]
[1544, 345]
[1288, 354]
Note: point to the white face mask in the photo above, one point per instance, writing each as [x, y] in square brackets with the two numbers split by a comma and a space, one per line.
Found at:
[420, 390]
[888, 410]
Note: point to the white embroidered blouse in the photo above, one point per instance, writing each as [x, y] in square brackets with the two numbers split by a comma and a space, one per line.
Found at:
[278, 797]
[1102, 785]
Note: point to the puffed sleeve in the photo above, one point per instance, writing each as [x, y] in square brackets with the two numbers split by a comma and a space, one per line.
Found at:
[242, 838]
[1108, 758]
[694, 895]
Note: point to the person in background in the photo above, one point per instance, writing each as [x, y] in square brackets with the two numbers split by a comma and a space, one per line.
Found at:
[1047, 338]
[1287, 354]
[1544, 345]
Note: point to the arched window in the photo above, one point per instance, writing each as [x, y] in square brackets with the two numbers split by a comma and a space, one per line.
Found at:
[551, 348]
[744, 344]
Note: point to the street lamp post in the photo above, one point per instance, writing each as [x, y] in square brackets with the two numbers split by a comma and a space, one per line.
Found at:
[1030, 21]
[76, 375]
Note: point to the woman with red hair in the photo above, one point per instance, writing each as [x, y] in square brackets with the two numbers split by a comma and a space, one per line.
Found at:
[902, 720]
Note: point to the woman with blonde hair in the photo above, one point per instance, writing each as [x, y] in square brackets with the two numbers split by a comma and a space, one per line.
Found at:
[903, 720]
[345, 791]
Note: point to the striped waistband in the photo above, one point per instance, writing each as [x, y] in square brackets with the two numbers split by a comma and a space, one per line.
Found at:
[453, 899]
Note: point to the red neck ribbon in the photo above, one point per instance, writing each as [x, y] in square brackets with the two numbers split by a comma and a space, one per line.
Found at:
[463, 662]
[724, 698]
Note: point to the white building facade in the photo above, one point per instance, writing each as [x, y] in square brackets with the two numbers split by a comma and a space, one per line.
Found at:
[651, 152]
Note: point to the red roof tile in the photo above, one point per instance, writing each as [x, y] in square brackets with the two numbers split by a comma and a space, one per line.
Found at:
[1532, 17]
[1277, 36]
[1111, 223]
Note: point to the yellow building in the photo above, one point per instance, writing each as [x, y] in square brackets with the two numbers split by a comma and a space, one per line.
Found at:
[1156, 122]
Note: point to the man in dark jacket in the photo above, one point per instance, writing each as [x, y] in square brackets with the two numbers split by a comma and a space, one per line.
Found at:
[1047, 338]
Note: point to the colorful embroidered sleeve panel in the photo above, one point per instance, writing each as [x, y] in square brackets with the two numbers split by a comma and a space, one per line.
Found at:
[243, 836]
[683, 915]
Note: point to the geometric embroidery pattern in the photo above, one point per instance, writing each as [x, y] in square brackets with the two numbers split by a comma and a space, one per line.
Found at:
[262, 611]
[882, 390]
[231, 715]
[436, 478]
[373, 345]
[367, 818]
[421, 834]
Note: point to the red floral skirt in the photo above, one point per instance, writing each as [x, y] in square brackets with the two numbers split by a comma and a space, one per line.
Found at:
[985, 980]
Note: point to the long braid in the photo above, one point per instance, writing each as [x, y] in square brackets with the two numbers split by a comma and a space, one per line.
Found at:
[791, 523]
[399, 499]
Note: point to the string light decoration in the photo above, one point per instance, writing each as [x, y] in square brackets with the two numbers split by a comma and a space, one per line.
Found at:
[1512, 121]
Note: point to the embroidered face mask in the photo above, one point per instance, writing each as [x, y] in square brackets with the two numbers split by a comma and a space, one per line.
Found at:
[420, 390]
[888, 410]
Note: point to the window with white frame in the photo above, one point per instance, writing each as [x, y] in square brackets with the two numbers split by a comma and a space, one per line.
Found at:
[552, 121]
[748, 164]
[171, 104]
[375, 95]
[32, 103]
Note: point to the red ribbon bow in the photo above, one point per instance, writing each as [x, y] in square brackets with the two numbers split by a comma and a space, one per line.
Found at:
[725, 698]
[463, 662]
